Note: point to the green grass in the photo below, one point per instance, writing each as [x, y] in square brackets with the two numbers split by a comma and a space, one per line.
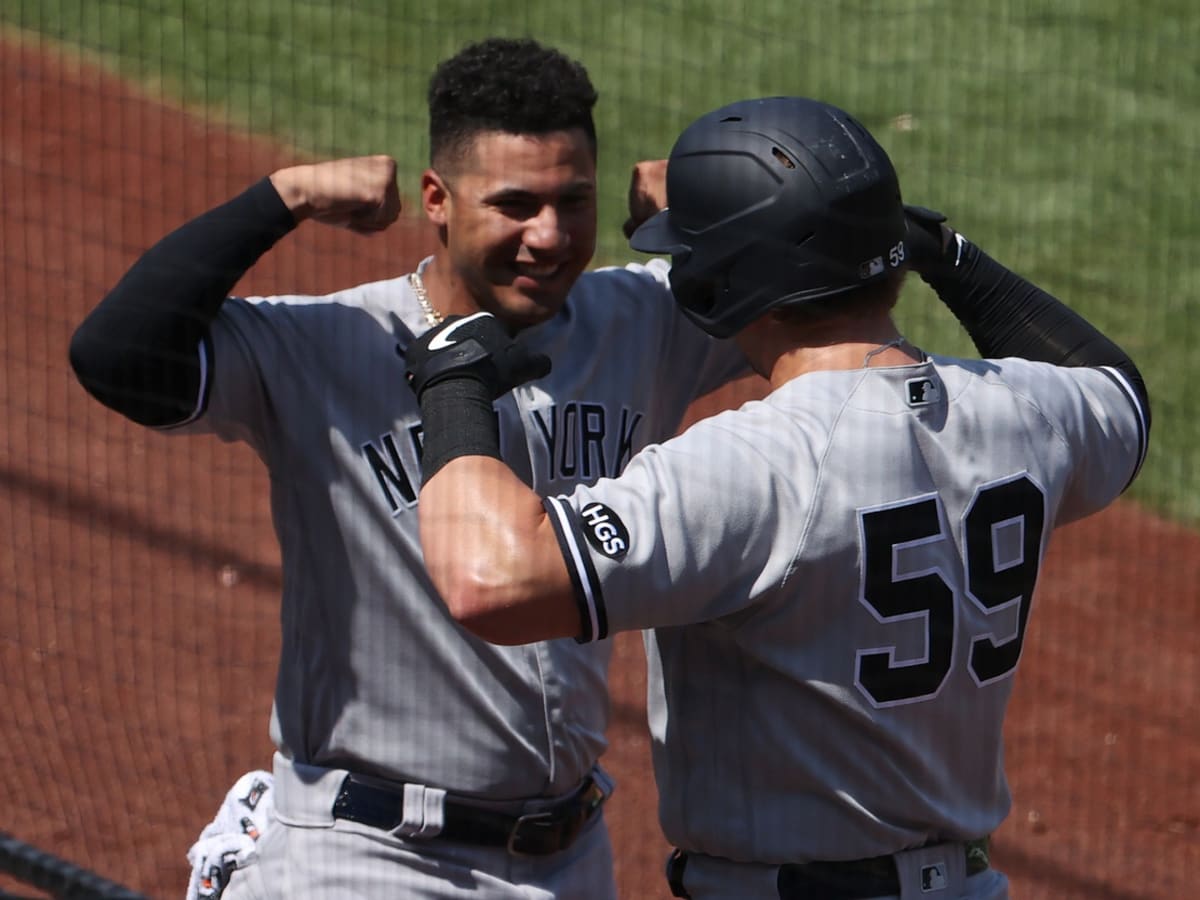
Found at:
[1062, 136]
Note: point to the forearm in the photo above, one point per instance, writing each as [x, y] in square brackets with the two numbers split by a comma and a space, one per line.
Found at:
[1006, 315]
[488, 544]
[138, 351]
[493, 555]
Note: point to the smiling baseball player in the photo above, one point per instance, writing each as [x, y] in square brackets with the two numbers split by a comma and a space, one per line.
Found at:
[840, 576]
[414, 759]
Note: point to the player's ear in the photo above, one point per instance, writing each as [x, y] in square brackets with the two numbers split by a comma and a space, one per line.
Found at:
[435, 197]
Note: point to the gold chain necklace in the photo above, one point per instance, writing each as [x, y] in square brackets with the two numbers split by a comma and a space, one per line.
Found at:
[432, 316]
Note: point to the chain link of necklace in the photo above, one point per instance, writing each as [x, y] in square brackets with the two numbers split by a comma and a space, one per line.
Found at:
[432, 316]
[900, 341]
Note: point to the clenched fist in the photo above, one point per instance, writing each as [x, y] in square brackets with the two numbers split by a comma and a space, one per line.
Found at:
[647, 192]
[358, 193]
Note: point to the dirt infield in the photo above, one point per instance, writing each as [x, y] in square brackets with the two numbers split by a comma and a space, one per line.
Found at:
[139, 614]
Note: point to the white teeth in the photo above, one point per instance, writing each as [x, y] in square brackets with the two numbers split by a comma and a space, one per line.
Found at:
[538, 271]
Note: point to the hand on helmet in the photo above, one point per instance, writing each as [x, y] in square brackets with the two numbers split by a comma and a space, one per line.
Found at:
[931, 243]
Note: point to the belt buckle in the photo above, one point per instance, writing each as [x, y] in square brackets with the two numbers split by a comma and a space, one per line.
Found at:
[531, 832]
[563, 823]
[591, 798]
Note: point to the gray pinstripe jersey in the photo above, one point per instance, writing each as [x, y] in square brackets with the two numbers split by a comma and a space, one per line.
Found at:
[374, 675]
[840, 577]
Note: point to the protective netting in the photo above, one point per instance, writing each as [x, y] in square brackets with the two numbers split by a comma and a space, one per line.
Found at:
[139, 573]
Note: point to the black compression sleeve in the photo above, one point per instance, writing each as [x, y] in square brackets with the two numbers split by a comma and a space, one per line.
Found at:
[138, 350]
[1005, 315]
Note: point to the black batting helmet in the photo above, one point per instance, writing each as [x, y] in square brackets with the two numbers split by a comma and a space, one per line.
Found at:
[774, 202]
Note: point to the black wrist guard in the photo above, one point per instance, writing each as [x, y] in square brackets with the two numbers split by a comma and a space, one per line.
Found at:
[457, 419]
[456, 371]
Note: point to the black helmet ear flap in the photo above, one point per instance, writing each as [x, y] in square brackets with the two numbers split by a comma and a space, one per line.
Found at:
[723, 299]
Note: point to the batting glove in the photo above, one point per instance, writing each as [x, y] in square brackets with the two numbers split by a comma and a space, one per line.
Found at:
[477, 347]
[229, 841]
[933, 246]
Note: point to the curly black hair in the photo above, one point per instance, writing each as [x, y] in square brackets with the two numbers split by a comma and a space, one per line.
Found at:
[512, 85]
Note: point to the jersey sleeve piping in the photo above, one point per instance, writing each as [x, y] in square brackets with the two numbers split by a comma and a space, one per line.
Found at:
[204, 349]
[589, 597]
[1143, 429]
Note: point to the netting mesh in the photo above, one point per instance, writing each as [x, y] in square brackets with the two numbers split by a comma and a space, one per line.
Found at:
[139, 574]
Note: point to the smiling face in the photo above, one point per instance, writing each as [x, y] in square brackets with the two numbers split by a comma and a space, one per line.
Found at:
[517, 221]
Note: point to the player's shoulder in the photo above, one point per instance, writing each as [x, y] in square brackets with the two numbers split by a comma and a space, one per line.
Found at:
[629, 299]
[374, 293]
[634, 281]
[757, 450]
[370, 305]
[626, 303]
[1060, 394]
[758, 424]
[1042, 381]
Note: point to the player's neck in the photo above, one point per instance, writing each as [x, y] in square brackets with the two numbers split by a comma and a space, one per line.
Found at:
[446, 293]
[783, 351]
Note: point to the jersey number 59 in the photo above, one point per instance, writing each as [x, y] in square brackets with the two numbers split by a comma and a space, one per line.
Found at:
[1015, 506]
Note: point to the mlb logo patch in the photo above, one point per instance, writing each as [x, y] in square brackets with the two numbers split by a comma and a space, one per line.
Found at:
[922, 391]
[871, 267]
[252, 799]
[933, 877]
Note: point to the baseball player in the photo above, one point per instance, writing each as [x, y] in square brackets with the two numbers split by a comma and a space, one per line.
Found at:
[839, 577]
[414, 759]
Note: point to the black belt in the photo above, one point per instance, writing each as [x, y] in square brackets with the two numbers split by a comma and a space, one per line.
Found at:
[855, 879]
[547, 830]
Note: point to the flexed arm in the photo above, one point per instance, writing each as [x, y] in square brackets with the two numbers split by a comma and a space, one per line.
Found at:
[485, 536]
[142, 350]
[1005, 314]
